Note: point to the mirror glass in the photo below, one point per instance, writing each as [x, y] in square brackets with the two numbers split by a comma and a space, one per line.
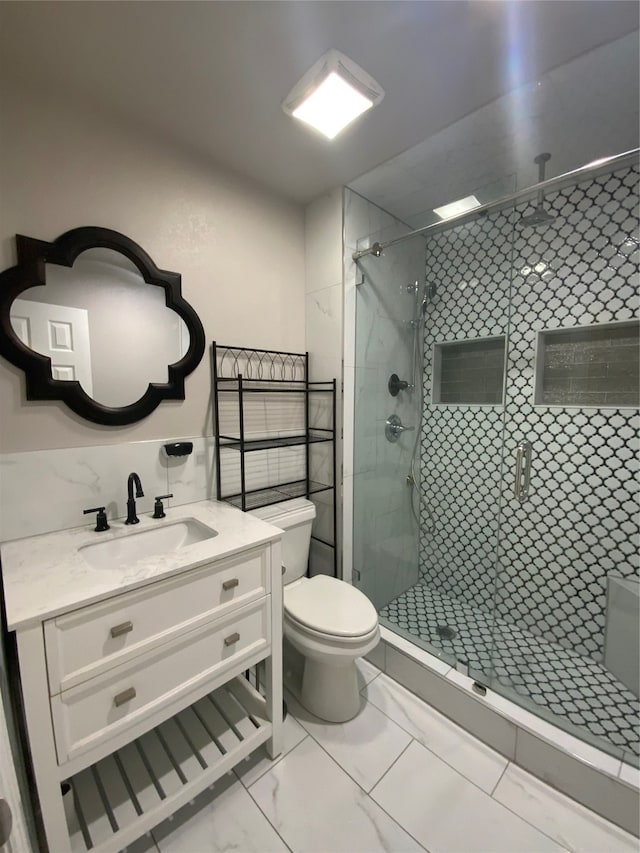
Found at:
[101, 324]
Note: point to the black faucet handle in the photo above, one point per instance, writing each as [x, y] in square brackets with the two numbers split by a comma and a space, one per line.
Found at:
[158, 509]
[101, 518]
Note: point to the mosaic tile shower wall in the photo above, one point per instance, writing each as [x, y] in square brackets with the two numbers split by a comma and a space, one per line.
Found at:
[580, 523]
[461, 448]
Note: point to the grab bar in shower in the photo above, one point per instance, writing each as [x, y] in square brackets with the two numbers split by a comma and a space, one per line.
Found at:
[523, 471]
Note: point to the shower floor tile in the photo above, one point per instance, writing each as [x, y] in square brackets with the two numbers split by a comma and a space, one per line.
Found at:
[576, 689]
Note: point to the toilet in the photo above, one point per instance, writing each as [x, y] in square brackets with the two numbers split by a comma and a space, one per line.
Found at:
[328, 621]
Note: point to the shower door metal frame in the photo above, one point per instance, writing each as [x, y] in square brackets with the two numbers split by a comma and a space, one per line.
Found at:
[574, 176]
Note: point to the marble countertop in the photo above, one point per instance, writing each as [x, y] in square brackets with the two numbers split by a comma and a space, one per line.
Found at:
[47, 575]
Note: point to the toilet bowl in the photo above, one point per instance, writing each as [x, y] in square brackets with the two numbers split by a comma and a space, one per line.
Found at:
[328, 621]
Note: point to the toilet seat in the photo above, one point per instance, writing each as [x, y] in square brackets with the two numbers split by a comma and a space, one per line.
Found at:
[327, 607]
[351, 645]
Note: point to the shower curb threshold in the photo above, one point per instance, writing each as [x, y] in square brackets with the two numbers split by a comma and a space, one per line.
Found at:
[597, 780]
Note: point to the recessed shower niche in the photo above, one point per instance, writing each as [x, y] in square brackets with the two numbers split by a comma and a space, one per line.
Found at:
[469, 372]
[595, 365]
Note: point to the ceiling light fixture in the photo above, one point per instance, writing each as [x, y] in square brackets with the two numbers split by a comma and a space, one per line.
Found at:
[332, 93]
[457, 207]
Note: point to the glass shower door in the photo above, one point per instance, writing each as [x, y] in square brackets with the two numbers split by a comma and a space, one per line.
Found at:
[385, 537]
[426, 506]
[506, 538]
[468, 267]
[566, 606]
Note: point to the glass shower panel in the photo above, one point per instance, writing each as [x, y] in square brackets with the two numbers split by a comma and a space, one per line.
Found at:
[468, 270]
[388, 342]
[426, 506]
[566, 626]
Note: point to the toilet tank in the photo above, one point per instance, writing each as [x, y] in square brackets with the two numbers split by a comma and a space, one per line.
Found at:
[294, 518]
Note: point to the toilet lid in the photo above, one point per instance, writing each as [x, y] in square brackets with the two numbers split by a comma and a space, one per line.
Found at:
[330, 606]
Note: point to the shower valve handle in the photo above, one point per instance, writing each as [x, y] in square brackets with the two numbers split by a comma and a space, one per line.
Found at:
[394, 428]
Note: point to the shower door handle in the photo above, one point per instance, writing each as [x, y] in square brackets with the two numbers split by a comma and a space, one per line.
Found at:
[523, 471]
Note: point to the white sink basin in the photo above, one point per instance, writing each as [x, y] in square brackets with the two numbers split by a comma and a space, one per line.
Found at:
[154, 542]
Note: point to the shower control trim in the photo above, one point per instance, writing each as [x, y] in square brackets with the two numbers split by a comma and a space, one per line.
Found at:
[395, 385]
[394, 428]
[523, 471]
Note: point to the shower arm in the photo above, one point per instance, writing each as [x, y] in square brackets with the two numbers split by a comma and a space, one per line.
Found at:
[541, 160]
[604, 164]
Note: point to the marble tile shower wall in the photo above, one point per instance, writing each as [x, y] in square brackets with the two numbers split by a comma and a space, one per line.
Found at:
[555, 551]
[46, 490]
[381, 309]
[323, 327]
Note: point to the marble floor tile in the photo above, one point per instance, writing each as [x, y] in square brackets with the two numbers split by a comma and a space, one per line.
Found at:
[317, 808]
[569, 823]
[259, 762]
[429, 784]
[466, 754]
[365, 747]
[448, 814]
[221, 818]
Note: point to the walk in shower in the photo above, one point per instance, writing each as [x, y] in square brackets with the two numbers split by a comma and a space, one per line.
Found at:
[499, 530]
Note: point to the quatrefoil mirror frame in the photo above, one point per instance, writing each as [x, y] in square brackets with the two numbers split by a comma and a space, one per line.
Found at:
[30, 271]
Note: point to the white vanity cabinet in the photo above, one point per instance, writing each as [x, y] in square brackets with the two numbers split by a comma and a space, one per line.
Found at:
[138, 700]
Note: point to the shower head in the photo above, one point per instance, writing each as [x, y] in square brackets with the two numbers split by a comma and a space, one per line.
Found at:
[540, 216]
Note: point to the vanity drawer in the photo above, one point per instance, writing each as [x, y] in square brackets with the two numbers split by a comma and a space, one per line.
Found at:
[104, 707]
[85, 643]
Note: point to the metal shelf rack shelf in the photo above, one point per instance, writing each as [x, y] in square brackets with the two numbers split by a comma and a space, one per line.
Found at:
[242, 371]
[272, 443]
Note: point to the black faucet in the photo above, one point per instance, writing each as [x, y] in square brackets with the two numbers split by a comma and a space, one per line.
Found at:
[132, 518]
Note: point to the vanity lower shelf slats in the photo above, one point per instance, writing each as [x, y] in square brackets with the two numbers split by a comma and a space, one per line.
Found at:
[127, 793]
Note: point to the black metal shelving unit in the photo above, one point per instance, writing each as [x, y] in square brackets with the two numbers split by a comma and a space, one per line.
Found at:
[242, 371]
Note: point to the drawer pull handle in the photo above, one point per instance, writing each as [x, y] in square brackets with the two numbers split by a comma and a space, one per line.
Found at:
[230, 640]
[124, 628]
[230, 583]
[126, 696]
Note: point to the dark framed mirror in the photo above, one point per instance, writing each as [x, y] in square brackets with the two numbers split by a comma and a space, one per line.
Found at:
[93, 322]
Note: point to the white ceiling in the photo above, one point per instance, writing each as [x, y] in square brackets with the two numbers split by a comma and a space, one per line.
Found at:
[210, 76]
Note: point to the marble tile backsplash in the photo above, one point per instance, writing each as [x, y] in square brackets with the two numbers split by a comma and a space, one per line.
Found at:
[46, 490]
